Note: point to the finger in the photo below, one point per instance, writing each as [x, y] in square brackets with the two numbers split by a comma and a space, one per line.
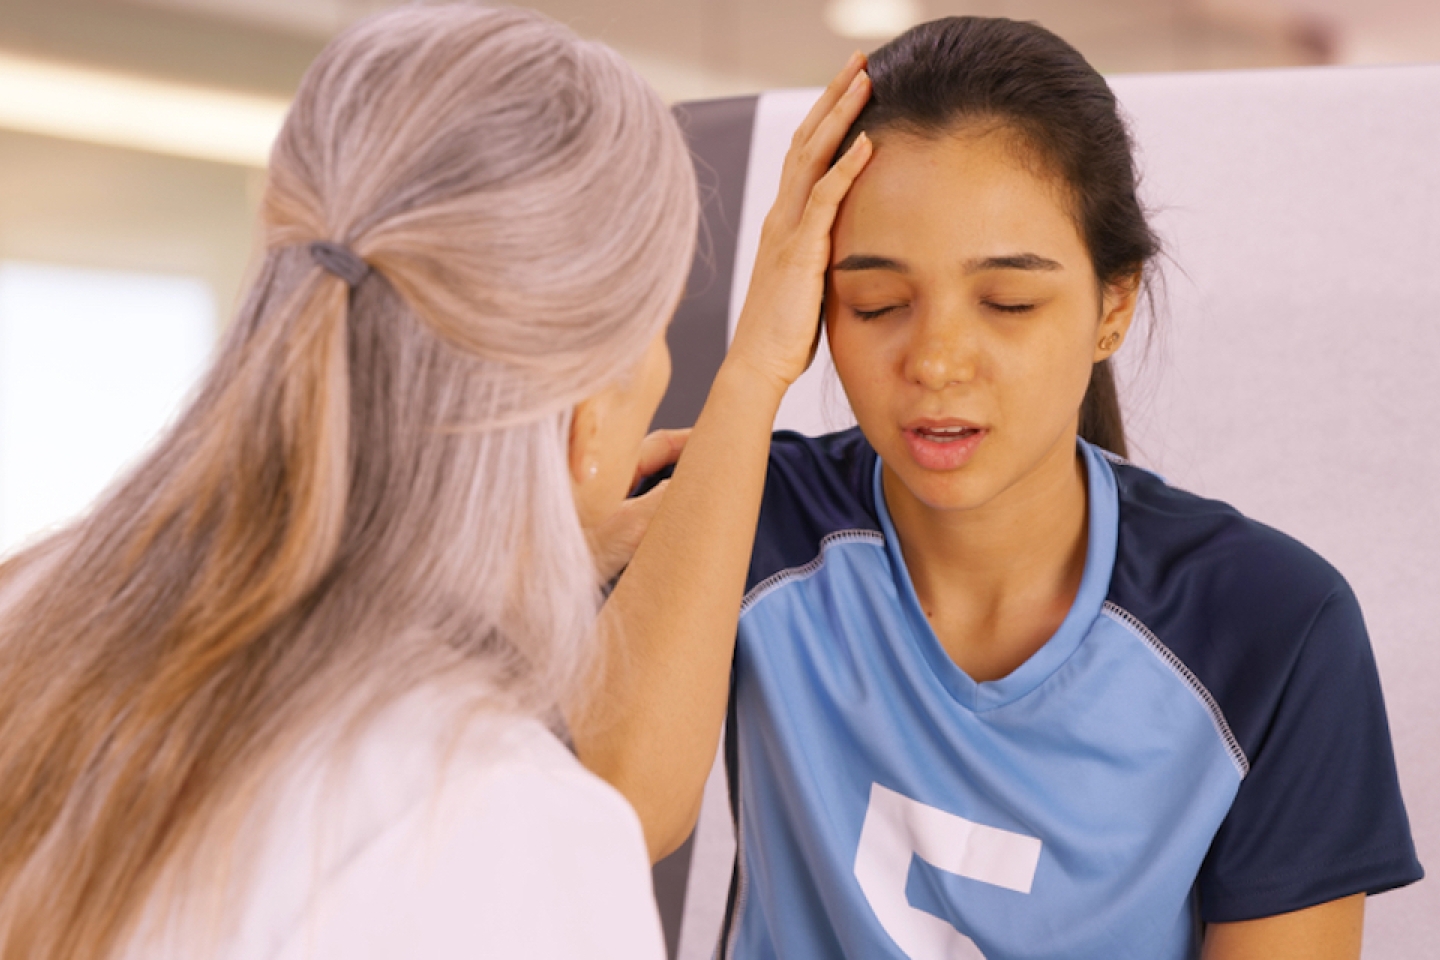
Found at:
[829, 97]
[660, 449]
[806, 162]
[618, 537]
[825, 139]
[626, 526]
[829, 190]
[651, 499]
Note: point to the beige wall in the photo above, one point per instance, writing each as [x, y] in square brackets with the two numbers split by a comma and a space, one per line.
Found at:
[94, 206]
[67, 202]
[161, 43]
[70, 203]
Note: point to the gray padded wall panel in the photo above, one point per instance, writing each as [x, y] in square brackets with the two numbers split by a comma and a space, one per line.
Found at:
[719, 135]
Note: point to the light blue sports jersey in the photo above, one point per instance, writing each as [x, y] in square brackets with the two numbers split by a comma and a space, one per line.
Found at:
[889, 806]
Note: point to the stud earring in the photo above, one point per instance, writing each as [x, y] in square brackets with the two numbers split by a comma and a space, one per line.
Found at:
[592, 470]
[1109, 342]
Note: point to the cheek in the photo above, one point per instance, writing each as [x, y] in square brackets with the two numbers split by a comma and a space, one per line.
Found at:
[657, 367]
[648, 386]
[838, 342]
[859, 363]
[667, 365]
[1049, 372]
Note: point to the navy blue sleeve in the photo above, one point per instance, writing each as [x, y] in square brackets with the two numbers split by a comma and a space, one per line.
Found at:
[1275, 635]
[814, 486]
[1319, 815]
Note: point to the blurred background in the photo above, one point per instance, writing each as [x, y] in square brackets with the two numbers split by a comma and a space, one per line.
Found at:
[133, 136]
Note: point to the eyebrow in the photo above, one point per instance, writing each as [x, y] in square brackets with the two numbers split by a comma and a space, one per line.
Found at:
[1017, 261]
[865, 261]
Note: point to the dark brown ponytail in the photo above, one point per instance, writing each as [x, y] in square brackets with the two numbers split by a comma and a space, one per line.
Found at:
[1100, 420]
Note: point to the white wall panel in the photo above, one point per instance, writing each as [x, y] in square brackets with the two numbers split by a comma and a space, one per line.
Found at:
[92, 365]
[1295, 371]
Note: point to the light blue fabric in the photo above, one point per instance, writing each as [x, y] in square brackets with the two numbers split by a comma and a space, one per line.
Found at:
[1098, 747]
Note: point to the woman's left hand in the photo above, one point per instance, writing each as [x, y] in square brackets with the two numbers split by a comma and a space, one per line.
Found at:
[614, 540]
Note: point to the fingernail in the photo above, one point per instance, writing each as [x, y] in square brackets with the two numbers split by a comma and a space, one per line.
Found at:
[860, 80]
[855, 58]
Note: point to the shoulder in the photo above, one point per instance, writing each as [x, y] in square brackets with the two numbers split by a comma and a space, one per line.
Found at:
[536, 783]
[1237, 602]
[507, 786]
[508, 847]
[1272, 637]
[1178, 552]
[539, 830]
[816, 487]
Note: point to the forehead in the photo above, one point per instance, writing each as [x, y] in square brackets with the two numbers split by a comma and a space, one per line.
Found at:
[975, 192]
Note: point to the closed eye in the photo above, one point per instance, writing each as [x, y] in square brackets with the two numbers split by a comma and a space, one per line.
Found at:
[1010, 307]
[872, 314]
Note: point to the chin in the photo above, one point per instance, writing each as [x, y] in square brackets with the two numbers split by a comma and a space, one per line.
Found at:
[948, 491]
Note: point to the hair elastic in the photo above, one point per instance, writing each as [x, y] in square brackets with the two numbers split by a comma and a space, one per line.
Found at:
[340, 260]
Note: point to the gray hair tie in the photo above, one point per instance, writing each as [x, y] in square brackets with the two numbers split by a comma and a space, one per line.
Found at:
[340, 260]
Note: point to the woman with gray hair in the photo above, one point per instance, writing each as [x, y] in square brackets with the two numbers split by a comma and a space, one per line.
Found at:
[289, 689]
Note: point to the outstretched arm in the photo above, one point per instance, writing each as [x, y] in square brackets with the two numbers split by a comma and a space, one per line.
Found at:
[652, 724]
[1329, 931]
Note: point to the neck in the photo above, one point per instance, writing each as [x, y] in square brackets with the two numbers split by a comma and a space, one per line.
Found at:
[996, 580]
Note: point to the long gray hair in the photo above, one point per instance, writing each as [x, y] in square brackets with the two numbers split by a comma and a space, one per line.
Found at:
[370, 490]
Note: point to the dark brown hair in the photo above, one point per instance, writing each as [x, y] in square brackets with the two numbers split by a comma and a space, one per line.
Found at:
[959, 70]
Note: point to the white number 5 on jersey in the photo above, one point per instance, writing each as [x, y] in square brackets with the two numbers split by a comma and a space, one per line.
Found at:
[897, 828]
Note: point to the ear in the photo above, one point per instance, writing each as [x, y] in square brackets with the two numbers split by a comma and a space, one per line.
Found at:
[584, 442]
[1117, 310]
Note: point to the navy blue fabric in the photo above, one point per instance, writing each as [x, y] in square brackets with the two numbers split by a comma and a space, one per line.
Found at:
[1276, 635]
[831, 476]
[1267, 628]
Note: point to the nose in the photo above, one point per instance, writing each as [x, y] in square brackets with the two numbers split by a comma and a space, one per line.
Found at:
[943, 351]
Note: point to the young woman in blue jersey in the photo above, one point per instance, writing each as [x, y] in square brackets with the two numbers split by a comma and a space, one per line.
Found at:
[995, 692]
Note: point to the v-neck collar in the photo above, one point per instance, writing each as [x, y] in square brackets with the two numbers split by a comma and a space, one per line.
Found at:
[1103, 533]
